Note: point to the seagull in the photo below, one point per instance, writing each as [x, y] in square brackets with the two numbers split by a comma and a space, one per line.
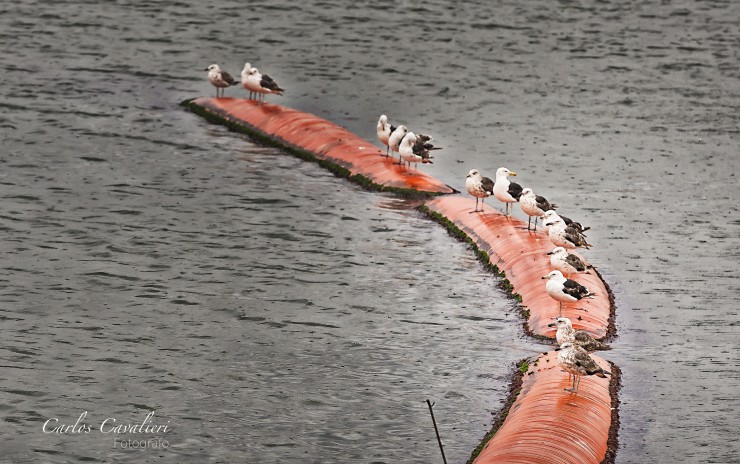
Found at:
[581, 338]
[394, 140]
[534, 205]
[505, 191]
[577, 361]
[415, 148]
[258, 83]
[478, 186]
[563, 235]
[384, 130]
[567, 263]
[577, 225]
[219, 78]
[565, 290]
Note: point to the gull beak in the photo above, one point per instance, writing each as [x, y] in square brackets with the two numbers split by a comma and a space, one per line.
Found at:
[468, 176]
[512, 173]
[549, 224]
[205, 69]
[557, 349]
[552, 324]
[550, 253]
[544, 277]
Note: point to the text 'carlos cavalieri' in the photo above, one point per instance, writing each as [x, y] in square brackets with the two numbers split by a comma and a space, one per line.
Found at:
[111, 426]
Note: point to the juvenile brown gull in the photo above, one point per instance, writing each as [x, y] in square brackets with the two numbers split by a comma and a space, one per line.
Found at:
[219, 79]
[566, 334]
[575, 360]
[478, 186]
[567, 263]
[534, 206]
[563, 235]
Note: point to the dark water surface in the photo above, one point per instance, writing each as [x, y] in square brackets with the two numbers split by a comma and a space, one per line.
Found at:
[271, 312]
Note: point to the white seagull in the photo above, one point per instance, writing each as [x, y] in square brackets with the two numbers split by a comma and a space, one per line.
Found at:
[564, 290]
[478, 186]
[575, 360]
[394, 140]
[219, 78]
[563, 235]
[566, 334]
[567, 263]
[415, 148]
[258, 83]
[384, 130]
[534, 206]
[506, 191]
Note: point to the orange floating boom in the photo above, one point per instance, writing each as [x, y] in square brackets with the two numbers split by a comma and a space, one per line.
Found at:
[522, 256]
[548, 425]
[309, 136]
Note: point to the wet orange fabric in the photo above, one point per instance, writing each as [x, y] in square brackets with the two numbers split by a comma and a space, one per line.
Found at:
[548, 425]
[522, 255]
[324, 140]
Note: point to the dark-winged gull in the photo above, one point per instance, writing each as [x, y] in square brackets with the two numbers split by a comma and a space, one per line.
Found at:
[258, 83]
[565, 290]
[415, 148]
[506, 191]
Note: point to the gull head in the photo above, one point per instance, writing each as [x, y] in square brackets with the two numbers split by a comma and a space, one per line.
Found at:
[561, 322]
[474, 173]
[383, 119]
[503, 172]
[213, 67]
[557, 251]
[551, 217]
[554, 275]
[409, 139]
[565, 346]
[527, 191]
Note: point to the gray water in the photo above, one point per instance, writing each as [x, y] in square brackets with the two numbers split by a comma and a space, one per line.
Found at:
[268, 311]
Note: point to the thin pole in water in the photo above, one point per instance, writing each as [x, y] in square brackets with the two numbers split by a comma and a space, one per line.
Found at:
[439, 440]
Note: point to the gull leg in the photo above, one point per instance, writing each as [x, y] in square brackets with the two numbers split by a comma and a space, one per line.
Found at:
[561, 309]
[529, 222]
[535, 223]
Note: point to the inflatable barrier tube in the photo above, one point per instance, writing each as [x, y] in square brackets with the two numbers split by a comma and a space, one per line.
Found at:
[548, 425]
[313, 138]
[520, 256]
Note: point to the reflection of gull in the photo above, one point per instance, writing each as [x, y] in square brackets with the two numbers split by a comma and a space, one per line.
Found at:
[534, 206]
[478, 186]
[581, 338]
[576, 361]
[506, 191]
[258, 83]
[564, 290]
[567, 263]
[384, 130]
[563, 235]
[219, 78]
